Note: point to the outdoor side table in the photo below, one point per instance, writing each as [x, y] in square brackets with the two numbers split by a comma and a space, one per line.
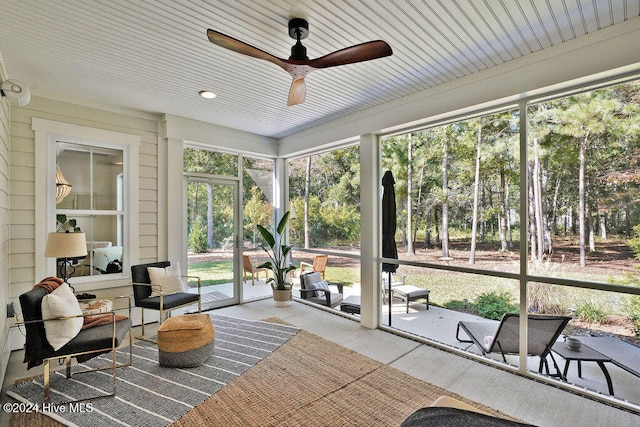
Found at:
[585, 354]
[351, 304]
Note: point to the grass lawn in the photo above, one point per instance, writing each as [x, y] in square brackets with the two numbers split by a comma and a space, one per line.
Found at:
[212, 272]
[219, 272]
[447, 287]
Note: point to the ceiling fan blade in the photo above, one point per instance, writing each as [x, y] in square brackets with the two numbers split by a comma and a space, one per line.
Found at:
[236, 45]
[358, 53]
[297, 93]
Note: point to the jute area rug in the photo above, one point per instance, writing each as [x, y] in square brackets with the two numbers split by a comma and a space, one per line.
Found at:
[309, 381]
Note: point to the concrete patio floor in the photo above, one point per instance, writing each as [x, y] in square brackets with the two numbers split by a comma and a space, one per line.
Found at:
[531, 401]
[439, 325]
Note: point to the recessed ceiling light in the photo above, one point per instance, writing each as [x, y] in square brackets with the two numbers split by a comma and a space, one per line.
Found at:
[207, 94]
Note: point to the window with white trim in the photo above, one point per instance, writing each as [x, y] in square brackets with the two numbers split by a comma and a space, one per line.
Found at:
[101, 168]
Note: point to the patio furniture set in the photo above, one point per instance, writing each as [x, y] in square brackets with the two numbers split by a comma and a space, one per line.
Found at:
[543, 341]
[502, 337]
[314, 288]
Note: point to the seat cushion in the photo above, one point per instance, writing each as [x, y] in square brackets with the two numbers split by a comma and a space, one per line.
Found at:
[169, 301]
[409, 291]
[96, 338]
[336, 298]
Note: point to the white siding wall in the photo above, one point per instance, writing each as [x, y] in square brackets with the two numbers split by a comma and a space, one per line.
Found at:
[5, 282]
[22, 179]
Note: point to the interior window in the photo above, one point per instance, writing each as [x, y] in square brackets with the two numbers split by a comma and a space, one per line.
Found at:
[90, 198]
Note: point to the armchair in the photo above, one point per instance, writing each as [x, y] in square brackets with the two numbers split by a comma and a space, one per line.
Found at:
[313, 288]
[87, 343]
[319, 265]
[249, 268]
[142, 293]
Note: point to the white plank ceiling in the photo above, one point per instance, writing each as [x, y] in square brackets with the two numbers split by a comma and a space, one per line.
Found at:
[154, 56]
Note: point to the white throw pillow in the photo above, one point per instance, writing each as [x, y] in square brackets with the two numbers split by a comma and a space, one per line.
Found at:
[61, 303]
[166, 280]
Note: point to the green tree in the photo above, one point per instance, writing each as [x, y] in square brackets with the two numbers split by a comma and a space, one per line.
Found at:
[590, 120]
[256, 211]
[197, 240]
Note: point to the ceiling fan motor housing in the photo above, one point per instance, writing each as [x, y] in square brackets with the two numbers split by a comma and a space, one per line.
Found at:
[299, 30]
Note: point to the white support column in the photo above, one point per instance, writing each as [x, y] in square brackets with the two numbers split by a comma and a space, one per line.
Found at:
[176, 210]
[369, 231]
[524, 220]
[163, 195]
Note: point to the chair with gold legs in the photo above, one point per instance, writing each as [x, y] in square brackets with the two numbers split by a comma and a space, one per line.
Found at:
[103, 338]
[165, 301]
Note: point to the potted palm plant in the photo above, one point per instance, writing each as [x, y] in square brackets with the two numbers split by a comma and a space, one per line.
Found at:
[278, 262]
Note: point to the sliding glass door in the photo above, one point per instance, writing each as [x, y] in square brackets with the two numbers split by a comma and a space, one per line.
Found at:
[212, 238]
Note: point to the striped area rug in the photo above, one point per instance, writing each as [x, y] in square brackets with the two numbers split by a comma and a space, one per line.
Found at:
[149, 394]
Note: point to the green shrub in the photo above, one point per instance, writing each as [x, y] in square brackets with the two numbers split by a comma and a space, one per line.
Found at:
[494, 305]
[635, 313]
[590, 311]
[634, 242]
[198, 241]
[455, 305]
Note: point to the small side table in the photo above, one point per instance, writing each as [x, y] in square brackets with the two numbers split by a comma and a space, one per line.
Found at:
[95, 306]
[585, 354]
[350, 304]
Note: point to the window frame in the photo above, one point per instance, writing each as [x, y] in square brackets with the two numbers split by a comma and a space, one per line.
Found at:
[523, 276]
[47, 133]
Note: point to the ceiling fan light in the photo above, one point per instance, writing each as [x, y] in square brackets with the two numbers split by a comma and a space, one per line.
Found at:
[207, 94]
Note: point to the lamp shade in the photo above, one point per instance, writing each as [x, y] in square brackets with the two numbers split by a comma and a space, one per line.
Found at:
[66, 245]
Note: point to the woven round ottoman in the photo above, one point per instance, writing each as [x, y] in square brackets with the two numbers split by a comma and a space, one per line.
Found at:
[185, 341]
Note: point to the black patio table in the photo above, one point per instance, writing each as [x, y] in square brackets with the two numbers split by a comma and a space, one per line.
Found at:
[585, 354]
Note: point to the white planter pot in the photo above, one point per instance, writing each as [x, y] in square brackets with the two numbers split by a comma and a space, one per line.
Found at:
[282, 298]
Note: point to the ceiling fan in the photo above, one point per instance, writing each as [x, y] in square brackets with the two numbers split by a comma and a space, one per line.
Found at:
[299, 65]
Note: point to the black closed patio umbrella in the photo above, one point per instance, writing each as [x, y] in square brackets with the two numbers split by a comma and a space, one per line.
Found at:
[389, 226]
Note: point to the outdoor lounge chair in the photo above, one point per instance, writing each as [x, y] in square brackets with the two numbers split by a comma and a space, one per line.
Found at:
[406, 293]
[319, 265]
[543, 332]
[313, 288]
[249, 268]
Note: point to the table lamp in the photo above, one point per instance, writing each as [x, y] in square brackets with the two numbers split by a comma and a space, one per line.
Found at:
[64, 246]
